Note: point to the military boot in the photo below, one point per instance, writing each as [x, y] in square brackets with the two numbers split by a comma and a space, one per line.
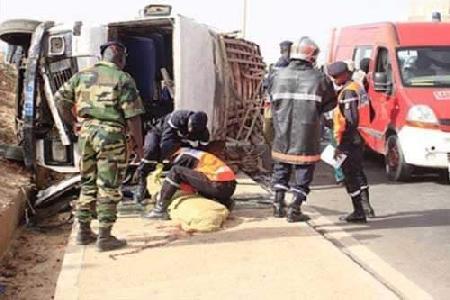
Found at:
[108, 242]
[279, 206]
[85, 235]
[370, 213]
[141, 193]
[162, 203]
[358, 215]
[294, 212]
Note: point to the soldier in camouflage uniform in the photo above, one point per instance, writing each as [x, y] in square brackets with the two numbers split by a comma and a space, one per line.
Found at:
[107, 102]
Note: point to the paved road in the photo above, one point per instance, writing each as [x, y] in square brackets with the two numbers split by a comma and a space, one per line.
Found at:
[412, 230]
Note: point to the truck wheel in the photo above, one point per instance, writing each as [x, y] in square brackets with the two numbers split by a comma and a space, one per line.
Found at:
[18, 31]
[396, 167]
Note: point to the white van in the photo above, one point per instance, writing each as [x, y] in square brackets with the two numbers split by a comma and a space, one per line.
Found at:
[201, 69]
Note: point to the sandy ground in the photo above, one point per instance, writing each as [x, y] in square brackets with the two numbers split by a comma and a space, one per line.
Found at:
[30, 268]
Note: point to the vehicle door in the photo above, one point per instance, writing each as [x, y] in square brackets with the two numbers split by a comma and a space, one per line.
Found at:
[382, 98]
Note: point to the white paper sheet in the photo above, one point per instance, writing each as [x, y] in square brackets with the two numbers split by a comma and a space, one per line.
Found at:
[327, 156]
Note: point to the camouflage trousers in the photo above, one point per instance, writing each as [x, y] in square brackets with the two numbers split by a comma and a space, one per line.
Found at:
[102, 168]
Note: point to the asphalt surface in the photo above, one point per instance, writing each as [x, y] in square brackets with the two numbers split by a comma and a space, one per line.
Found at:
[412, 230]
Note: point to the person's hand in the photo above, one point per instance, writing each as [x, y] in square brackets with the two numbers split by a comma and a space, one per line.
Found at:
[337, 153]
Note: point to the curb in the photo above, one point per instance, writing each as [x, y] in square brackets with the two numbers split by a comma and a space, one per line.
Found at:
[10, 219]
[67, 287]
[368, 260]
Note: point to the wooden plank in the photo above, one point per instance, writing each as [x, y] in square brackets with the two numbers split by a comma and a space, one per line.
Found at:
[246, 61]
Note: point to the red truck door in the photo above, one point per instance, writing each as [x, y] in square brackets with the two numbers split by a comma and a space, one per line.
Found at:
[383, 102]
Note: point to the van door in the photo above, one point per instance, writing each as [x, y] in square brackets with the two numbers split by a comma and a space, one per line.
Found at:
[194, 67]
[382, 102]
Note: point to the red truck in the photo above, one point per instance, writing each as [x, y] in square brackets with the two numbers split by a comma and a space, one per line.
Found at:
[409, 91]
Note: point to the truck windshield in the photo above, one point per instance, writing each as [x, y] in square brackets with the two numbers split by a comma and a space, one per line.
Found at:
[425, 66]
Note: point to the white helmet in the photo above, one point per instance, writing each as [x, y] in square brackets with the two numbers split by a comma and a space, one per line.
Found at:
[305, 49]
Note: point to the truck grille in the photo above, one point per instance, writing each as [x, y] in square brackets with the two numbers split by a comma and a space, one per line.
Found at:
[59, 72]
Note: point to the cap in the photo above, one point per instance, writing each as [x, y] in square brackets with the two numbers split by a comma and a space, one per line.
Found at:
[198, 121]
[112, 43]
[285, 44]
[337, 68]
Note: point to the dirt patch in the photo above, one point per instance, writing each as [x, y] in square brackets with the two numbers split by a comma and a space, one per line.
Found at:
[12, 176]
[8, 76]
[30, 269]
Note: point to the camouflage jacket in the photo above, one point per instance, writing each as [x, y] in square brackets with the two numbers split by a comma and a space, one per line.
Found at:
[101, 92]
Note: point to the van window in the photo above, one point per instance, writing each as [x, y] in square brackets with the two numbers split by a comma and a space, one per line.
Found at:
[383, 63]
[361, 52]
[425, 66]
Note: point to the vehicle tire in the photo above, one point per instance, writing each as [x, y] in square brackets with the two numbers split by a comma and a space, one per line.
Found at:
[18, 31]
[396, 167]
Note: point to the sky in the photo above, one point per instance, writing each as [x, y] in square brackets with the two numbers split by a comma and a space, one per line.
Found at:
[268, 21]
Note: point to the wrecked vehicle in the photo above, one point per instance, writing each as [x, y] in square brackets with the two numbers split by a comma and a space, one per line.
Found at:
[176, 62]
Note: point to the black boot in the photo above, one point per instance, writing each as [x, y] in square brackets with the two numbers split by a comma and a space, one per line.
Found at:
[85, 235]
[279, 206]
[162, 203]
[370, 213]
[141, 192]
[358, 215]
[108, 242]
[294, 212]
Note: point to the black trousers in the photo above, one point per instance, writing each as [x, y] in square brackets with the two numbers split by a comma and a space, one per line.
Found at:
[304, 175]
[220, 191]
[355, 178]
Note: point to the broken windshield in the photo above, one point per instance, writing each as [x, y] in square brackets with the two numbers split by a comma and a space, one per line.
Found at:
[425, 66]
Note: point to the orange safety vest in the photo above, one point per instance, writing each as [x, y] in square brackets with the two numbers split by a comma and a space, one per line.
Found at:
[209, 164]
[339, 122]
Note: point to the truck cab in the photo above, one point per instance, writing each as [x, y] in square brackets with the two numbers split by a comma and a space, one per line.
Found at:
[409, 91]
[177, 63]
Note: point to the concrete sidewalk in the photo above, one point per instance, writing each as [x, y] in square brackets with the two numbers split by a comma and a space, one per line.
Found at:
[254, 257]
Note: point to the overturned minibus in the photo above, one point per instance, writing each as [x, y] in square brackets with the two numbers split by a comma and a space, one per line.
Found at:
[198, 67]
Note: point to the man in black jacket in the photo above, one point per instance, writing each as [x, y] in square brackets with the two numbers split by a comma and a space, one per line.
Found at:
[181, 128]
[349, 141]
[300, 94]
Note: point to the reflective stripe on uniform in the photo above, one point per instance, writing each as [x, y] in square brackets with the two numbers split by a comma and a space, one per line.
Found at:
[291, 158]
[296, 96]
[298, 191]
[349, 100]
[280, 187]
[354, 194]
[171, 182]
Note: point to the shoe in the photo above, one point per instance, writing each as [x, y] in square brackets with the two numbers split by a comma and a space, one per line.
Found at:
[85, 235]
[162, 203]
[279, 206]
[108, 242]
[358, 215]
[294, 212]
[368, 209]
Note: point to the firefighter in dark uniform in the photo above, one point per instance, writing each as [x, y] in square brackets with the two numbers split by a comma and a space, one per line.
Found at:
[349, 141]
[285, 51]
[181, 128]
[300, 95]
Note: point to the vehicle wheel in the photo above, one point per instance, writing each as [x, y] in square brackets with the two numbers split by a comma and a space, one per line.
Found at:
[396, 167]
[18, 31]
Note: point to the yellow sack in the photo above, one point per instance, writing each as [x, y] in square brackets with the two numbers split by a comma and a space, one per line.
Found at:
[196, 213]
[154, 181]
